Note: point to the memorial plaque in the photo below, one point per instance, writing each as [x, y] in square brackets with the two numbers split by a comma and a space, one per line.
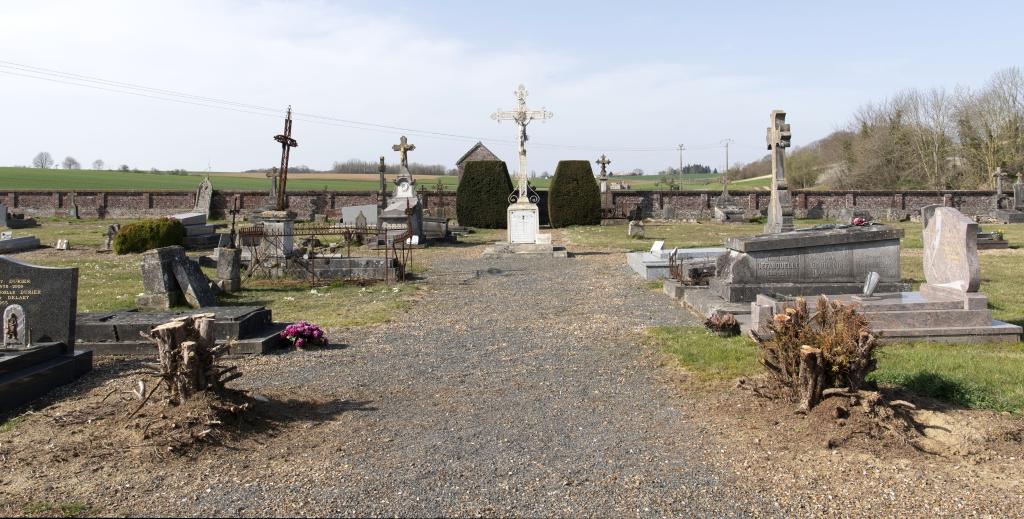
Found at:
[14, 327]
[522, 226]
[48, 297]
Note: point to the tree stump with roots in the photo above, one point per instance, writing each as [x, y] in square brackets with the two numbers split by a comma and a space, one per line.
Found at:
[187, 354]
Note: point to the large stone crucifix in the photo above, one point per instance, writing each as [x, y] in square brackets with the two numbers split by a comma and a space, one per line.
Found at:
[287, 143]
[522, 117]
[403, 148]
[780, 208]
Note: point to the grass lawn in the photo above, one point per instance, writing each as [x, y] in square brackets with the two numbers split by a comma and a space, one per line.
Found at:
[107, 281]
[973, 375]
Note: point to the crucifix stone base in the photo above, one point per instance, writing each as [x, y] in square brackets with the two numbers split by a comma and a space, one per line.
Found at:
[523, 223]
[780, 212]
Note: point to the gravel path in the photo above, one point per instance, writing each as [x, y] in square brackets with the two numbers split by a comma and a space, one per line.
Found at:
[516, 386]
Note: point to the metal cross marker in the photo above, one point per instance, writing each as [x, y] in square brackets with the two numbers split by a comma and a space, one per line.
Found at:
[604, 163]
[522, 117]
[287, 143]
[403, 148]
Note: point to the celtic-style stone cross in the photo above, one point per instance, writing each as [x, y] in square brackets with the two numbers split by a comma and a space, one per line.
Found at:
[522, 116]
[403, 148]
[780, 208]
[603, 162]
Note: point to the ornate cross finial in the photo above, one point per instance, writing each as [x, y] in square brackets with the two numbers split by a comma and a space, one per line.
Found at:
[403, 148]
[522, 116]
[604, 163]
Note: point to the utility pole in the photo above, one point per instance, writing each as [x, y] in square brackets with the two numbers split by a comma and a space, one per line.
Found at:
[725, 174]
[681, 148]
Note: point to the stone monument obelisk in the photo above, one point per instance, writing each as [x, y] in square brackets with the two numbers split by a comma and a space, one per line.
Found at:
[523, 214]
[780, 208]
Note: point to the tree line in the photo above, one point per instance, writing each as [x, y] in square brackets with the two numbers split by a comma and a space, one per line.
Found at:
[917, 139]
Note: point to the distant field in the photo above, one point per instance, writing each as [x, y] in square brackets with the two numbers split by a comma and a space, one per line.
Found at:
[83, 179]
[31, 178]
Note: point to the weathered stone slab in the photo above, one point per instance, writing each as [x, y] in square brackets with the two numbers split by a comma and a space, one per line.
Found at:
[194, 284]
[652, 266]
[951, 250]
[813, 238]
[808, 262]
[19, 244]
[48, 297]
[190, 218]
[158, 281]
[204, 196]
[229, 269]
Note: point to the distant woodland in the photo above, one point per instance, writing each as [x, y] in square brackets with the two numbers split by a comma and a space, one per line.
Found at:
[916, 139]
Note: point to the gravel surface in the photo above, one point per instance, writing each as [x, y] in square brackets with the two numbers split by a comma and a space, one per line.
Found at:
[517, 386]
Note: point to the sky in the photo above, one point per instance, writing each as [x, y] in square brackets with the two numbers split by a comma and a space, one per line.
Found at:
[632, 80]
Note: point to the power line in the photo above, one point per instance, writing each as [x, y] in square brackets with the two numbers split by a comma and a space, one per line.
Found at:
[160, 94]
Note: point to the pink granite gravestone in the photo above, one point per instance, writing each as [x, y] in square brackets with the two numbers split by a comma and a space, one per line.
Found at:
[950, 251]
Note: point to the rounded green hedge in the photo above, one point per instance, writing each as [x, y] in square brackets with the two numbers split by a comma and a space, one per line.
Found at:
[149, 234]
[574, 197]
[482, 196]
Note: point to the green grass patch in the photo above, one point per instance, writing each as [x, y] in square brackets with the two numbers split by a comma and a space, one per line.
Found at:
[47, 509]
[707, 355]
[983, 376]
[9, 424]
[333, 306]
[655, 285]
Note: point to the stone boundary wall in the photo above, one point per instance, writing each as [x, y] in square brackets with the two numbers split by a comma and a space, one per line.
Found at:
[882, 205]
[657, 204]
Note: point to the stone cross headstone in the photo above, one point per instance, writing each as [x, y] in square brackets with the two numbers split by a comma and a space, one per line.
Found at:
[48, 297]
[523, 214]
[204, 197]
[780, 208]
[14, 327]
[950, 250]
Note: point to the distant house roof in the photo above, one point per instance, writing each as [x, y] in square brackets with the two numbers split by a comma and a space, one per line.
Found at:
[475, 147]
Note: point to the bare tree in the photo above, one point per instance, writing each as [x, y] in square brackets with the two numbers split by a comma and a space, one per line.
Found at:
[98, 164]
[43, 160]
[71, 163]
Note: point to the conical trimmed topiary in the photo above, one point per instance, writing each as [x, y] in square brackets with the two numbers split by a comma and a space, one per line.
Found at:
[482, 196]
[574, 197]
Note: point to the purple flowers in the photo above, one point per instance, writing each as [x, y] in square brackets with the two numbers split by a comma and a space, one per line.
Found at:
[304, 333]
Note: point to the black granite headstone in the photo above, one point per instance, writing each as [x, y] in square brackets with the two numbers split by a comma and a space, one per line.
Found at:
[48, 296]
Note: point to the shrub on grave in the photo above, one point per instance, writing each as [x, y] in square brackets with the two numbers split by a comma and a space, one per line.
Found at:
[482, 196]
[149, 234]
[574, 197]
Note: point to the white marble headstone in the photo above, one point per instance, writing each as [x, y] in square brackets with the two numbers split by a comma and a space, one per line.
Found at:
[658, 245]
